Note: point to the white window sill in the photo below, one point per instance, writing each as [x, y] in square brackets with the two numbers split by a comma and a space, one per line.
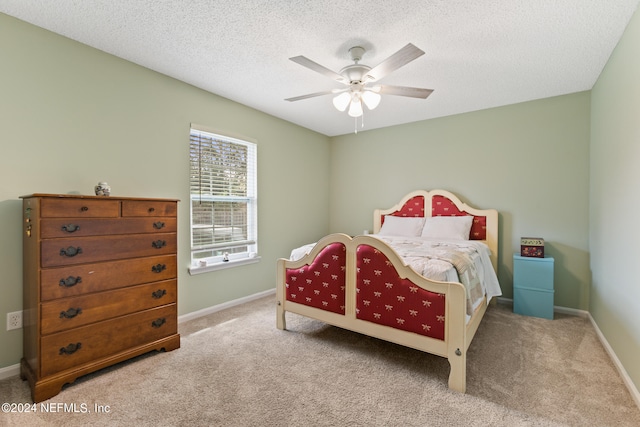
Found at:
[193, 270]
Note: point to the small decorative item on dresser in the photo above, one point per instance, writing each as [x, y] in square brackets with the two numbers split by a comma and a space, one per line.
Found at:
[103, 189]
[532, 247]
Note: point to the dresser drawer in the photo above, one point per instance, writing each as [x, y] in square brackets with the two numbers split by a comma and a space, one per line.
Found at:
[80, 250]
[83, 279]
[72, 348]
[82, 208]
[148, 208]
[67, 313]
[78, 227]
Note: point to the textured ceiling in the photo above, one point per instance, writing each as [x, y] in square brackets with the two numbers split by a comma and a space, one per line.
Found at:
[479, 54]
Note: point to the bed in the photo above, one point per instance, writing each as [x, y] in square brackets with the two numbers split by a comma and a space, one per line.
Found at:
[383, 286]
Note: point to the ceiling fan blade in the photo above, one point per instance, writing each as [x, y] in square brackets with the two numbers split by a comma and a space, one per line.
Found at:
[413, 92]
[395, 61]
[314, 66]
[313, 95]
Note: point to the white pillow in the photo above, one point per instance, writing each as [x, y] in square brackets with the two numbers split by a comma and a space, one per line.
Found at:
[401, 226]
[447, 227]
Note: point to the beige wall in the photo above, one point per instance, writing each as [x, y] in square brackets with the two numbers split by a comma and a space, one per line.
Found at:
[71, 115]
[614, 201]
[529, 161]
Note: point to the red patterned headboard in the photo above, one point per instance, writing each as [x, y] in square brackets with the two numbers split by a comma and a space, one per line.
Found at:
[443, 203]
[412, 207]
[443, 206]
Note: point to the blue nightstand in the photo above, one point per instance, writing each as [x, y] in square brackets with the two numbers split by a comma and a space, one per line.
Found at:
[533, 286]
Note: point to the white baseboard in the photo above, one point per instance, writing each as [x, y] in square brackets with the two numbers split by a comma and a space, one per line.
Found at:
[571, 311]
[635, 394]
[10, 371]
[556, 308]
[229, 304]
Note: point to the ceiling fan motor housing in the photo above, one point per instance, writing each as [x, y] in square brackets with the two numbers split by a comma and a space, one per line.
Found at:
[355, 73]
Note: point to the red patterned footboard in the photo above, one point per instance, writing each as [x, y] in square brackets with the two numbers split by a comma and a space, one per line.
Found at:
[320, 284]
[360, 284]
[383, 297]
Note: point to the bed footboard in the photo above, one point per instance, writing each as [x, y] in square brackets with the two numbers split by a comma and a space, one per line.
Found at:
[317, 281]
[361, 284]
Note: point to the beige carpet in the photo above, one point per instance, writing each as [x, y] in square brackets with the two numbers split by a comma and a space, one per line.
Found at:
[236, 369]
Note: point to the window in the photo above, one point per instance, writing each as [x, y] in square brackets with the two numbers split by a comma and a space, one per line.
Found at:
[223, 187]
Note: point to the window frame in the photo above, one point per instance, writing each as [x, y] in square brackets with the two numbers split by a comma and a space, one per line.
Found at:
[250, 255]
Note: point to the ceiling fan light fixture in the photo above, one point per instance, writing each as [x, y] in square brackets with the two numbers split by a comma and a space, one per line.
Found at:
[371, 99]
[341, 102]
[355, 108]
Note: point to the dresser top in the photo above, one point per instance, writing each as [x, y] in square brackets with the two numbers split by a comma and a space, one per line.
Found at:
[82, 196]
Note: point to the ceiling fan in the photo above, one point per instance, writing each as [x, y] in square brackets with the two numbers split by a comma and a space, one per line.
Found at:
[361, 80]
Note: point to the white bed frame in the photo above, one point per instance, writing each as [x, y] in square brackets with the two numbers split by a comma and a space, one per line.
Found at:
[458, 331]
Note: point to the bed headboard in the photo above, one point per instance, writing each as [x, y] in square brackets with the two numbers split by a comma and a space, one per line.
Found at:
[423, 203]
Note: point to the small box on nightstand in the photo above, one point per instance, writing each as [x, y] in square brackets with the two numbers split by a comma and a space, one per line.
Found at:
[533, 286]
[532, 247]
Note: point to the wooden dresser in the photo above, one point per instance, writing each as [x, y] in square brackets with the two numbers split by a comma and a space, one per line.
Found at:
[100, 284]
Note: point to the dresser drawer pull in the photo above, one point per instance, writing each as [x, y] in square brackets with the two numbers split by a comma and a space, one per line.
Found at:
[71, 313]
[70, 228]
[84, 208]
[158, 244]
[159, 293]
[70, 251]
[158, 268]
[70, 349]
[70, 281]
[151, 210]
[158, 322]
[158, 225]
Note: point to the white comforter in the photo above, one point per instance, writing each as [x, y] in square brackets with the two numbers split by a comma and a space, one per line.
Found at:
[429, 258]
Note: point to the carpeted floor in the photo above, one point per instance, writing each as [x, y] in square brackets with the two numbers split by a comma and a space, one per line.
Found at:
[236, 369]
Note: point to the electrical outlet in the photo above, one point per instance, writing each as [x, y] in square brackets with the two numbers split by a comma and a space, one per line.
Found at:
[14, 320]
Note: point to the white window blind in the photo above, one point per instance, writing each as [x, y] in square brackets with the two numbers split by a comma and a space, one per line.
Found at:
[223, 190]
